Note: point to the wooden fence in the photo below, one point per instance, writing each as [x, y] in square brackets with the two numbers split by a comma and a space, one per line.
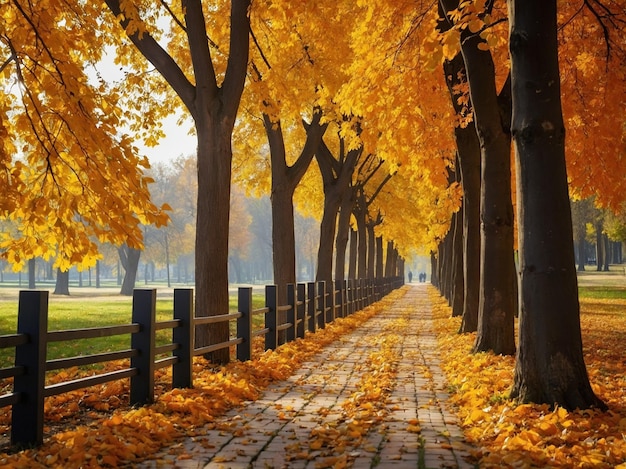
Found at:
[309, 307]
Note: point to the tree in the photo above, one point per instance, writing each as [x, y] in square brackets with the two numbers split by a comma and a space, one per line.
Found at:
[468, 158]
[176, 186]
[261, 247]
[239, 233]
[583, 212]
[129, 257]
[285, 179]
[62, 285]
[69, 176]
[337, 170]
[549, 367]
[497, 271]
[212, 99]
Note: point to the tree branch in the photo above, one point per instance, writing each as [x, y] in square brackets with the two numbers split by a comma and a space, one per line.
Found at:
[161, 60]
[239, 52]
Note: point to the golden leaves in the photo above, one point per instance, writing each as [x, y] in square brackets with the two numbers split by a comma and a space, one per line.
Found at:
[122, 436]
[533, 435]
[74, 179]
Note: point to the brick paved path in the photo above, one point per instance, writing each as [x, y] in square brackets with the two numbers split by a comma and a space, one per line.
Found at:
[416, 431]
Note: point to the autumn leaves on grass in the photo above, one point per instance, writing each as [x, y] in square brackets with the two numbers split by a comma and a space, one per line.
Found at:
[110, 434]
[510, 435]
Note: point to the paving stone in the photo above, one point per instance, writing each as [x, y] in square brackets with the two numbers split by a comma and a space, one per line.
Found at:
[417, 431]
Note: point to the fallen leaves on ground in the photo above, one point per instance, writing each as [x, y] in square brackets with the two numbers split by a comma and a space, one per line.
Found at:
[99, 430]
[531, 435]
[339, 439]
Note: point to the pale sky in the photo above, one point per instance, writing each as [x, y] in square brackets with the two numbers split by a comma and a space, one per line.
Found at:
[176, 142]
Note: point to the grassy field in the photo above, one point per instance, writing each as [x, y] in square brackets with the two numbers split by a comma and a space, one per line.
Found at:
[77, 312]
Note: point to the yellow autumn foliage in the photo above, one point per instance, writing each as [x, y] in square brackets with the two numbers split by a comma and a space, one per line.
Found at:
[531, 435]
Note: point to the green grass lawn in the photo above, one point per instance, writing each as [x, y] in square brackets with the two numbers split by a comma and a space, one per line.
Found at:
[599, 292]
[95, 312]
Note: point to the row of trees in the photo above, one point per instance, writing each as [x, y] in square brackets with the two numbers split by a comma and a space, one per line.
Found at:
[526, 108]
[341, 109]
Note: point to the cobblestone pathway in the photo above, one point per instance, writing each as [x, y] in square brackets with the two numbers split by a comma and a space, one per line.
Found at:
[276, 431]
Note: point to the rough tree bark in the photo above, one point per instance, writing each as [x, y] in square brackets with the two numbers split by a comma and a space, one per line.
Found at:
[457, 265]
[549, 367]
[343, 233]
[337, 177]
[468, 149]
[497, 304]
[285, 179]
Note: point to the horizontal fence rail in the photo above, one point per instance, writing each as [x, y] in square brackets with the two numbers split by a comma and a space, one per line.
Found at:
[309, 307]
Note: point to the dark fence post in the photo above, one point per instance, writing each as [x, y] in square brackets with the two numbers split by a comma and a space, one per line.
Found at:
[182, 371]
[290, 333]
[311, 306]
[301, 310]
[321, 304]
[27, 414]
[144, 313]
[244, 323]
[271, 317]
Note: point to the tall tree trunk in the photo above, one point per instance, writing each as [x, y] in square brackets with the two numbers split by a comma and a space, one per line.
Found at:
[129, 258]
[607, 252]
[343, 232]
[97, 274]
[599, 247]
[213, 106]
[445, 263]
[549, 367]
[388, 261]
[32, 270]
[212, 220]
[352, 263]
[457, 265]
[379, 258]
[468, 148]
[360, 214]
[434, 269]
[497, 273]
[62, 286]
[285, 179]
[337, 177]
[328, 227]
[371, 250]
